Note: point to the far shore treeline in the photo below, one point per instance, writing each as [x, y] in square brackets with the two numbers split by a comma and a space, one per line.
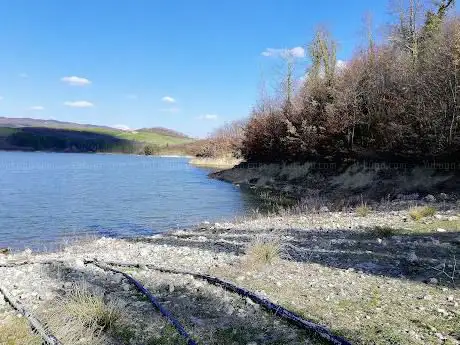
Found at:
[397, 98]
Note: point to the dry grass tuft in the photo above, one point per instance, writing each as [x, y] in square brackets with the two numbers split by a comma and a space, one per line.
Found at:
[417, 213]
[363, 210]
[16, 331]
[263, 251]
[82, 316]
[384, 231]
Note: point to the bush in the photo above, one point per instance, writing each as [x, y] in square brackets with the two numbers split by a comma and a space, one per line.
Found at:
[151, 149]
[225, 141]
[82, 316]
[390, 101]
[363, 210]
[384, 231]
[417, 213]
[14, 330]
[263, 251]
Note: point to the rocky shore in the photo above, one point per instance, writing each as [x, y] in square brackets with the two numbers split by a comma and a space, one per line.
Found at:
[382, 277]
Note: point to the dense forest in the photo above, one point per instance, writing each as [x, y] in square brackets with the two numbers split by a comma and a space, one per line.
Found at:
[396, 98]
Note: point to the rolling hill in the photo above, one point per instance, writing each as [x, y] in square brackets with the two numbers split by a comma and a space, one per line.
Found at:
[51, 135]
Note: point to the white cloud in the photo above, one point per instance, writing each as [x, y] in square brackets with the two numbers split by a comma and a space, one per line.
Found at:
[209, 117]
[76, 81]
[170, 110]
[36, 107]
[23, 75]
[296, 52]
[168, 99]
[79, 104]
[122, 127]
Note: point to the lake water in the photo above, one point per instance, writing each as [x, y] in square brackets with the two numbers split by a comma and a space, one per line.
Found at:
[46, 198]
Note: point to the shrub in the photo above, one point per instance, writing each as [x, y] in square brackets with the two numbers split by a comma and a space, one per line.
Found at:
[14, 330]
[225, 141]
[390, 101]
[82, 314]
[263, 251]
[363, 210]
[151, 149]
[383, 231]
[417, 213]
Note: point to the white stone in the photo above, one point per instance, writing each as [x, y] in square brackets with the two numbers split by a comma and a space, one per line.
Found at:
[432, 281]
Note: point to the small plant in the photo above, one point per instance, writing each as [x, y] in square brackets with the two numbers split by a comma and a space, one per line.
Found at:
[383, 231]
[151, 149]
[264, 251]
[363, 210]
[82, 314]
[417, 213]
[14, 330]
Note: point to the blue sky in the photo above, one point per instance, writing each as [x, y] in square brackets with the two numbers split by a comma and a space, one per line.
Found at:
[185, 65]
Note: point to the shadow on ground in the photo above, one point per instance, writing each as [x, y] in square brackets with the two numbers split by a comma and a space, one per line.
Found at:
[378, 251]
[210, 314]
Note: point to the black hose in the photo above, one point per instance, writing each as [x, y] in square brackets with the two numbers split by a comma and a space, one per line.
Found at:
[290, 316]
[166, 313]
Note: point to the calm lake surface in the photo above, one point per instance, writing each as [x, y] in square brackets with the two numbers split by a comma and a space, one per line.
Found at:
[46, 198]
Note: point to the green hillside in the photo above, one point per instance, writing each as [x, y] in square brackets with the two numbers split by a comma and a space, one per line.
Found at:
[145, 137]
[41, 135]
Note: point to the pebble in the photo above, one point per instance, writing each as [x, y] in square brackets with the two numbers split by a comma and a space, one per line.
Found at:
[430, 198]
[79, 263]
[433, 281]
[117, 278]
[412, 257]
[443, 196]
[443, 312]
[440, 230]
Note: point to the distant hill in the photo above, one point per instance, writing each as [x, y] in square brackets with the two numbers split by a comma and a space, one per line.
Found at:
[165, 131]
[27, 122]
[51, 135]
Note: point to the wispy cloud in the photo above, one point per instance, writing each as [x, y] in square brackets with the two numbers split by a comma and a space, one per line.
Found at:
[36, 107]
[76, 81]
[79, 104]
[209, 117]
[23, 75]
[168, 99]
[296, 52]
[172, 110]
